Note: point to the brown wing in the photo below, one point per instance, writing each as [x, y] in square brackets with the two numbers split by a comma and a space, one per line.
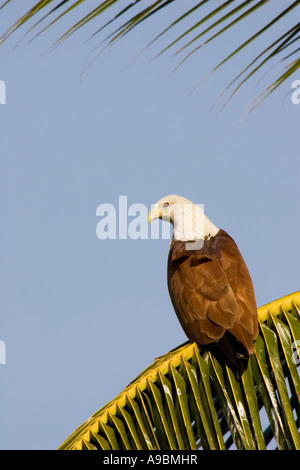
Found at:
[212, 293]
[245, 329]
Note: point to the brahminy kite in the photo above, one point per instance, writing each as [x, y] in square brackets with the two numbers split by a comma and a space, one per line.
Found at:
[209, 284]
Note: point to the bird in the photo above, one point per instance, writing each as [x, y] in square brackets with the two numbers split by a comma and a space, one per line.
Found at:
[209, 284]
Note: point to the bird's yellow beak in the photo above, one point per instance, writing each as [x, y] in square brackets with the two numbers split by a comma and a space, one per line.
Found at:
[154, 214]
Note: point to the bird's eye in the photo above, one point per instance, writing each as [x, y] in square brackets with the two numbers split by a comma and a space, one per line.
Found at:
[166, 204]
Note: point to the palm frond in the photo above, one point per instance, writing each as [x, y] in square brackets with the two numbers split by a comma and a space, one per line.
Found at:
[187, 400]
[214, 22]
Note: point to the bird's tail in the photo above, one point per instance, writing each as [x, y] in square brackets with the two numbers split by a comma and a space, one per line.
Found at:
[228, 351]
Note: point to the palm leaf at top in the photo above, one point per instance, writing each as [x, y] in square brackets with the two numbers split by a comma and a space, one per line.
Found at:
[208, 21]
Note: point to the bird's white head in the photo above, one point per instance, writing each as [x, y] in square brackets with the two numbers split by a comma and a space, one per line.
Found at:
[188, 219]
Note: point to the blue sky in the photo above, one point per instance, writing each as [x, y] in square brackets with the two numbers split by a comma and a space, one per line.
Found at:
[81, 317]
